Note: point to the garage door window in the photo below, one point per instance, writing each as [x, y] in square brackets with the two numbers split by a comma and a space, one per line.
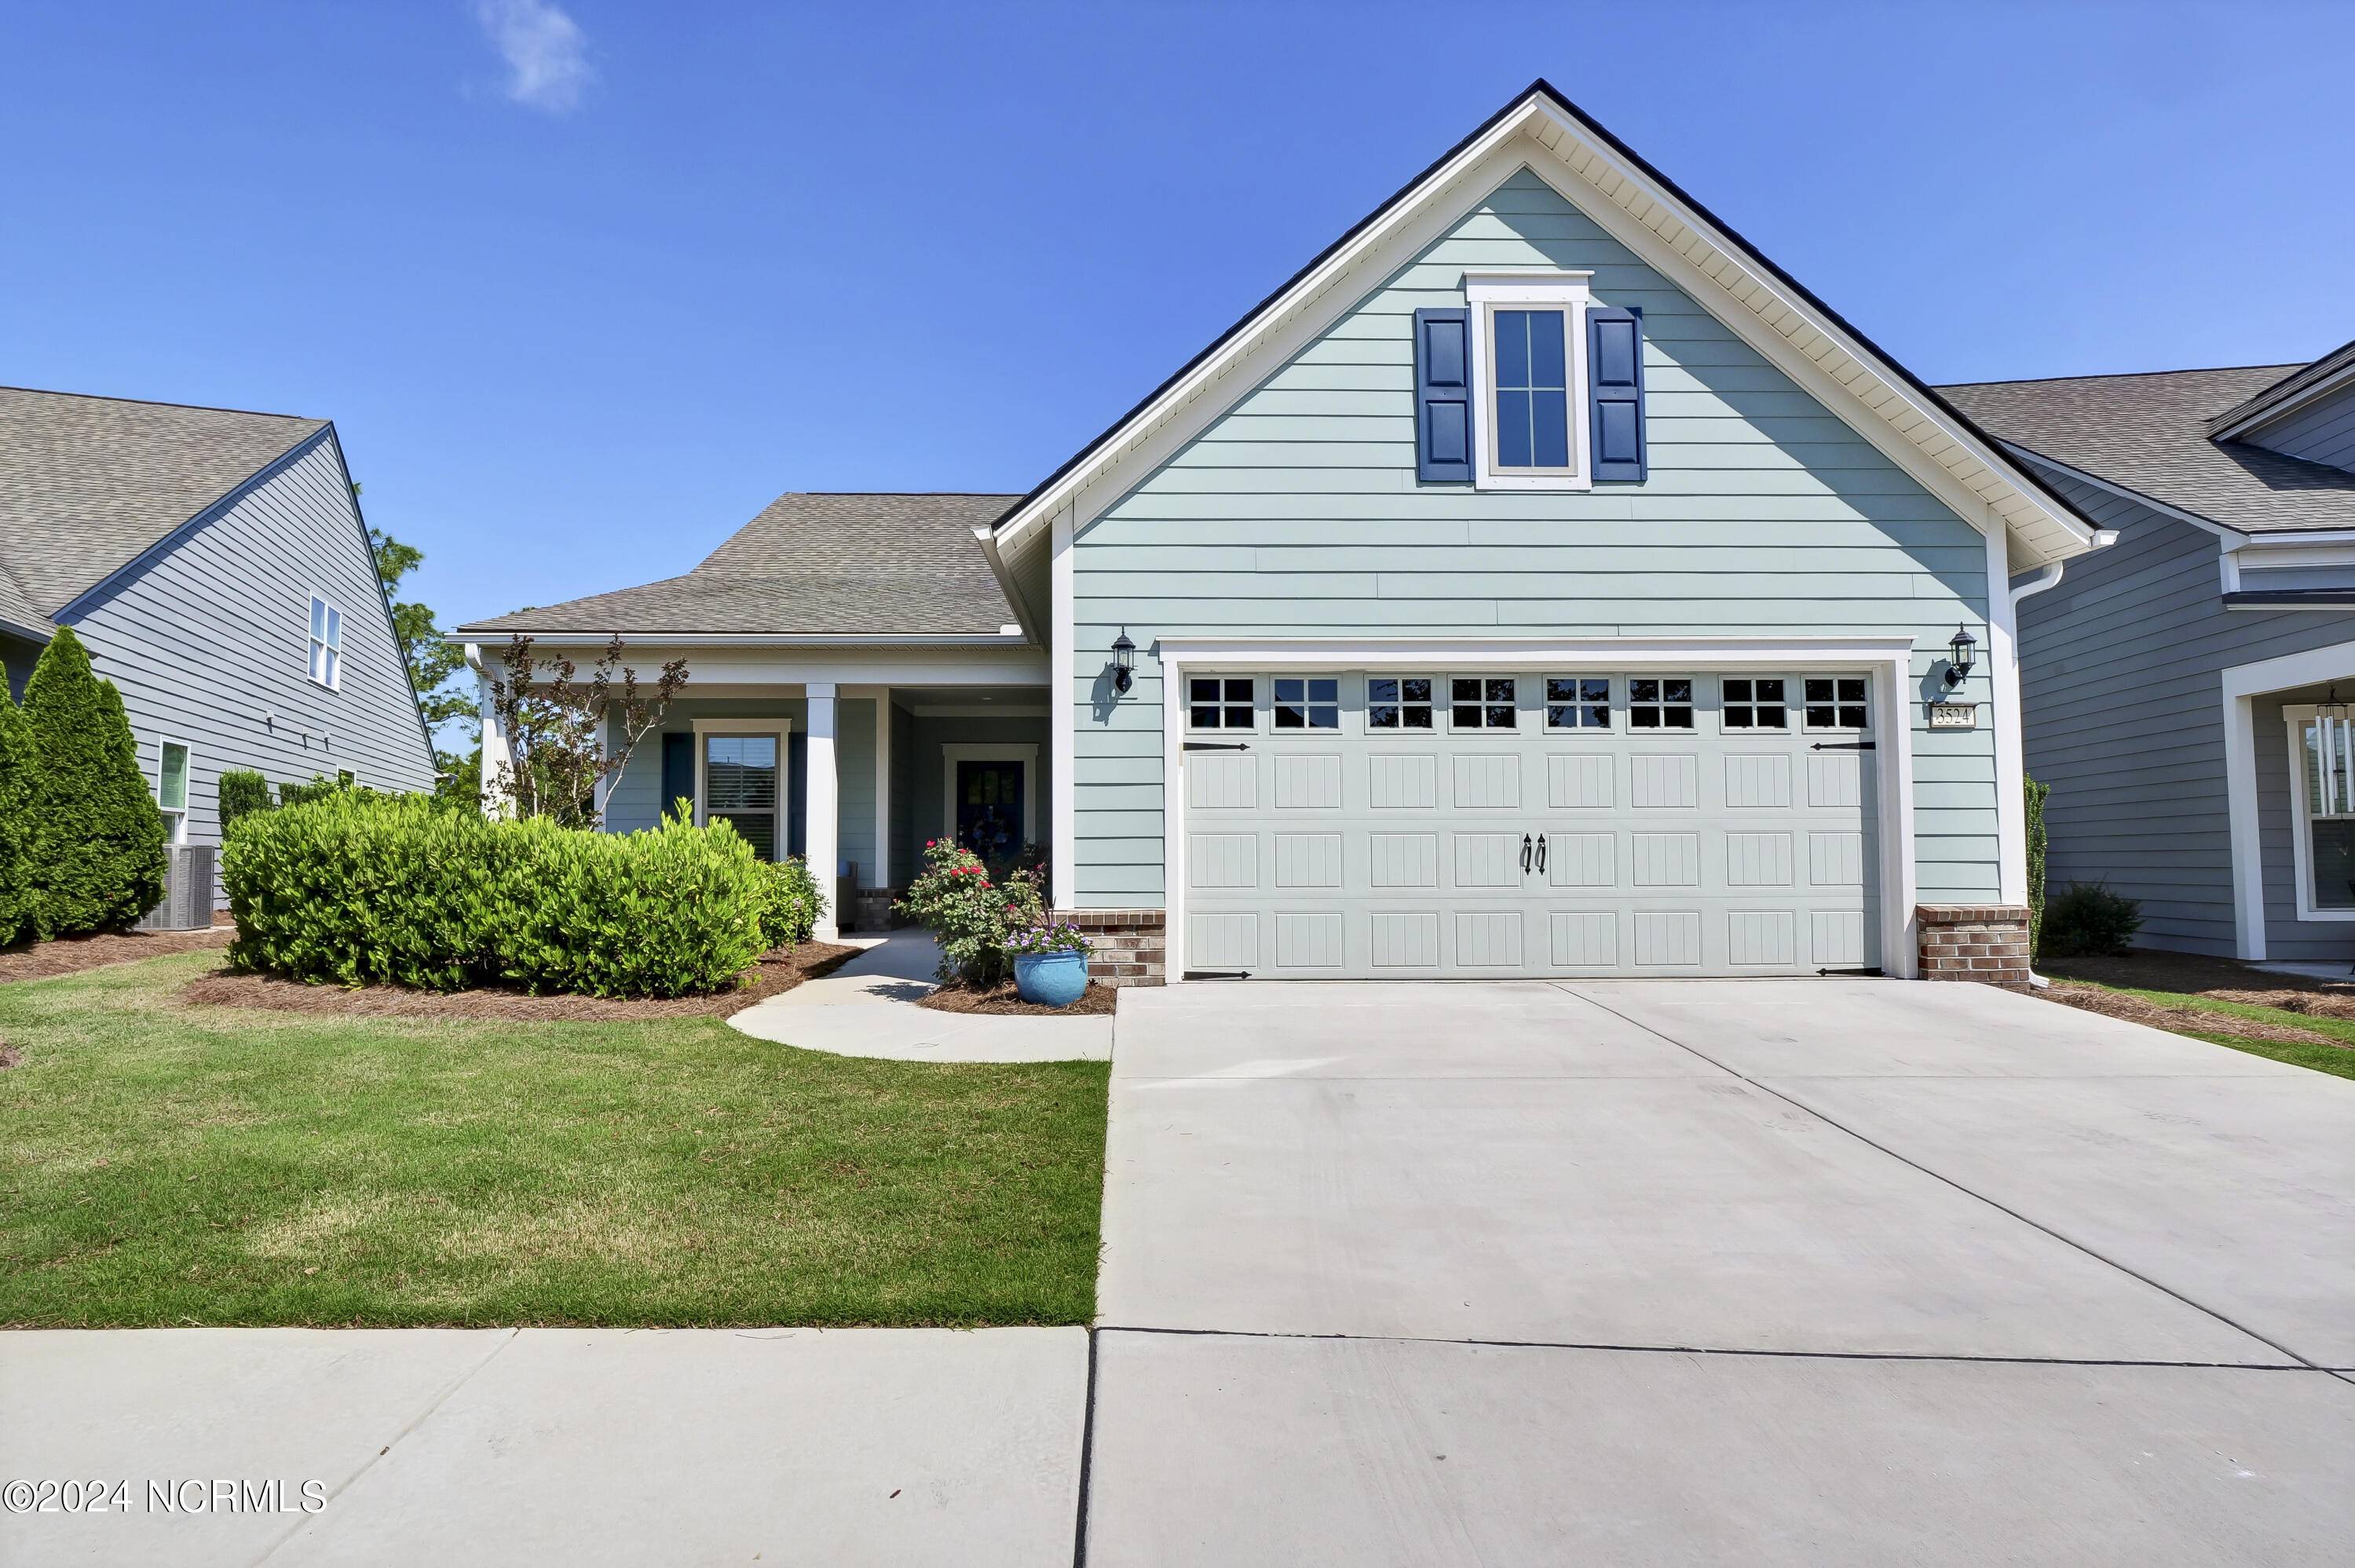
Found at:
[1308, 702]
[1578, 702]
[1398, 702]
[1219, 702]
[1660, 702]
[1482, 702]
[1836, 702]
[1753, 703]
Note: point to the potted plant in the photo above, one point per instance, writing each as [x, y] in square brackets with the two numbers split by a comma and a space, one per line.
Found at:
[1050, 964]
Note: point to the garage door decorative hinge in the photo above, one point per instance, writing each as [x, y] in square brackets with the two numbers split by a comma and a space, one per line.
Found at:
[1218, 975]
[1216, 746]
[1848, 971]
[1843, 746]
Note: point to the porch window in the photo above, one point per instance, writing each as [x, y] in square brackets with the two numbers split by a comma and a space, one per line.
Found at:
[740, 787]
[2328, 822]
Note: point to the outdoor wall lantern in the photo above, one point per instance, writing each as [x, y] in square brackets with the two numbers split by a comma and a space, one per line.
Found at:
[1123, 663]
[1959, 656]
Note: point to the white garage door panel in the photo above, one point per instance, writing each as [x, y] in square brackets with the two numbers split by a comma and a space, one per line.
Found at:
[1343, 850]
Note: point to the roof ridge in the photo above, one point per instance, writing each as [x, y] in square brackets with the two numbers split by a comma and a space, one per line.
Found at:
[2108, 376]
[164, 403]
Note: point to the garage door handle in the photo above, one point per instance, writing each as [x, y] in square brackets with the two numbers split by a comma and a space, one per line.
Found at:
[1540, 854]
[1524, 854]
[1216, 746]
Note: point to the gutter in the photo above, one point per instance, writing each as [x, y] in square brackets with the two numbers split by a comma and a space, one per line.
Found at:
[574, 637]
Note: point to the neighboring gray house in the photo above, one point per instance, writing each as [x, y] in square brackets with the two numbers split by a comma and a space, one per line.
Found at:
[2182, 689]
[215, 565]
[1541, 582]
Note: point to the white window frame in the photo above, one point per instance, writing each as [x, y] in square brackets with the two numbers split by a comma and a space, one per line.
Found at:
[955, 751]
[2295, 719]
[1546, 705]
[1186, 701]
[1835, 727]
[1484, 727]
[176, 821]
[326, 645]
[1308, 703]
[1528, 289]
[1401, 730]
[1692, 703]
[1790, 709]
[782, 729]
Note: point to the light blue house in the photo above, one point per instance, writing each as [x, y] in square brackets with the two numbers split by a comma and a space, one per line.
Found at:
[2185, 689]
[1540, 583]
[215, 564]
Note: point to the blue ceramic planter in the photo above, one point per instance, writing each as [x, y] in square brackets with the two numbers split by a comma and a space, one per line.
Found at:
[1050, 979]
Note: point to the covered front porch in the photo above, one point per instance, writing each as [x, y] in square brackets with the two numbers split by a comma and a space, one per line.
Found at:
[853, 763]
[2290, 774]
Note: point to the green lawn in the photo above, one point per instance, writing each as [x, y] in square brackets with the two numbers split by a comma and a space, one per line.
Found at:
[2338, 1059]
[168, 1163]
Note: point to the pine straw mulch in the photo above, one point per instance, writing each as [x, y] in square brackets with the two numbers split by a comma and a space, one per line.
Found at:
[72, 954]
[2183, 1021]
[2220, 980]
[1095, 1002]
[775, 973]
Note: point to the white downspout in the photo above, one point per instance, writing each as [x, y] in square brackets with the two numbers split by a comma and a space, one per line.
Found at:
[2037, 582]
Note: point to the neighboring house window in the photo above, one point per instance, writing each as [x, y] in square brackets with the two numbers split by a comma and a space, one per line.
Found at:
[1578, 702]
[172, 791]
[327, 643]
[1834, 702]
[1528, 361]
[741, 786]
[2326, 826]
[1753, 703]
[1219, 702]
[1660, 702]
[1308, 702]
[1398, 702]
[1482, 702]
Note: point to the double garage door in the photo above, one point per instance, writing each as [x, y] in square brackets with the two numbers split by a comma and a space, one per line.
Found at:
[1531, 823]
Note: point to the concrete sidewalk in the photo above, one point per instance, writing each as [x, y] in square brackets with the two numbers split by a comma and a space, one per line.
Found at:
[868, 1008]
[589, 1447]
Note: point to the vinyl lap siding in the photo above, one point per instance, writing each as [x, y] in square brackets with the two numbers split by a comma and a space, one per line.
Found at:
[2121, 671]
[2322, 433]
[1298, 513]
[210, 645]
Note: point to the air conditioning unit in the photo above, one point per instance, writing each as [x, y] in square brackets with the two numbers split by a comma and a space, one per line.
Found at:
[187, 890]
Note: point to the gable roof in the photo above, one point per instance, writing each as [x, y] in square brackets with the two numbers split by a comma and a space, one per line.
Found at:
[2287, 395]
[1667, 228]
[812, 566]
[2149, 433]
[88, 484]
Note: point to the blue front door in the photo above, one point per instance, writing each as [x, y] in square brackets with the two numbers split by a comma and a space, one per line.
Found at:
[989, 808]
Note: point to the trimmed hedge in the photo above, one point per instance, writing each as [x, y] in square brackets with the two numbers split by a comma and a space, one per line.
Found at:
[98, 839]
[242, 792]
[19, 906]
[361, 889]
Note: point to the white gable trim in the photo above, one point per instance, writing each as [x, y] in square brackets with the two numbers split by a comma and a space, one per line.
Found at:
[1971, 475]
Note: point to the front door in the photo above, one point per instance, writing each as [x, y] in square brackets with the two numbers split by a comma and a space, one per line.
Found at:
[989, 808]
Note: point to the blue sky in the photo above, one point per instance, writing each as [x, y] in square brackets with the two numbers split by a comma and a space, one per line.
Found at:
[583, 286]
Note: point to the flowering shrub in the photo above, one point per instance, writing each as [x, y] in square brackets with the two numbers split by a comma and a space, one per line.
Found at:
[971, 913]
[793, 902]
[1046, 936]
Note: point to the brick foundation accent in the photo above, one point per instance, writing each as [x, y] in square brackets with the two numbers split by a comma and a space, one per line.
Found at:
[1125, 946]
[1986, 943]
[871, 911]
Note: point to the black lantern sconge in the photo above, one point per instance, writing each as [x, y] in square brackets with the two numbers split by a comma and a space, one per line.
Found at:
[1959, 656]
[1123, 663]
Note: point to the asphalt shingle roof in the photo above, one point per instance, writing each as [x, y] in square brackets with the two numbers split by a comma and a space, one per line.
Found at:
[2149, 433]
[814, 565]
[87, 483]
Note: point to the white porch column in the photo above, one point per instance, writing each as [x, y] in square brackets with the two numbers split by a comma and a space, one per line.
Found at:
[882, 869]
[496, 754]
[822, 807]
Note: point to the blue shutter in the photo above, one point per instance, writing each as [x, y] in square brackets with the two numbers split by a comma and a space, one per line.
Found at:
[1442, 396]
[1615, 373]
[679, 771]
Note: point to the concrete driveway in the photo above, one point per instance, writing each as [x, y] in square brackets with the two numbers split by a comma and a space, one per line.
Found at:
[1757, 1271]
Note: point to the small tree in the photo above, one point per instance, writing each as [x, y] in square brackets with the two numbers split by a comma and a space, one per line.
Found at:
[18, 905]
[98, 839]
[569, 739]
[242, 792]
[2036, 796]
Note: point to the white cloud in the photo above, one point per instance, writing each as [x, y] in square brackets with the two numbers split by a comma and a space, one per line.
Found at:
[547, 63]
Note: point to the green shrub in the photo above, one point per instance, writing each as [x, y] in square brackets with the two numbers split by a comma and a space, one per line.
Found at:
[362, 888]
[971, 913]
[20, 908]
[242, 792]
[792, 902]
[2036, 797]
[319, 788]
[2089, 920]
[98, 838]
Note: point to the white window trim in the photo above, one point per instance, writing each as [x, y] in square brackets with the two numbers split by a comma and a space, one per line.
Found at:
[1438, 705]
[1647, 732]
[1887, 660]
[1486, 292]
[782, 729]
[1444, 711]
[2295, 719]
[334, 662]
[1791, 709]
[1186, 697]
[1835, 727]
[1612, 708]
[188, 782]
[955, 751]
[2240, 687]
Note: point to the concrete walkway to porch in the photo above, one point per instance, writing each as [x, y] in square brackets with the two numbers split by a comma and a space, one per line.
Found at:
[868, 1008]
